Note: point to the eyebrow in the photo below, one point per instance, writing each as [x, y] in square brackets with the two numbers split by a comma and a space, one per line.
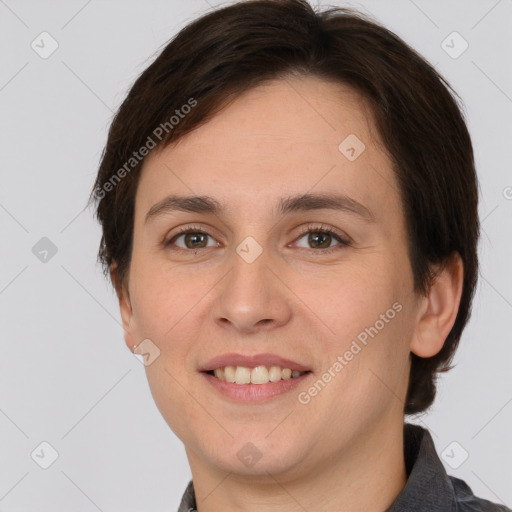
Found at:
[287, 205]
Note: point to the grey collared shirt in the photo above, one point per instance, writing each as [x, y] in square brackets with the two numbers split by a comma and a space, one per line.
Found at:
[428, 489]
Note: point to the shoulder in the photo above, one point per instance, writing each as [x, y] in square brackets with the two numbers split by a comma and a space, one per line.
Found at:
[429, 488]
[467, 502]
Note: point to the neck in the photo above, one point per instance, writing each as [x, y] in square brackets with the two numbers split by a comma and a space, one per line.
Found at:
[367, 476]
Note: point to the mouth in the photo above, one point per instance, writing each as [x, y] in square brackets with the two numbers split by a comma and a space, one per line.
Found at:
[255, 378]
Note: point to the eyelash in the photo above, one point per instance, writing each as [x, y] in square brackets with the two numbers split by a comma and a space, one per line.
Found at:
[326, 230]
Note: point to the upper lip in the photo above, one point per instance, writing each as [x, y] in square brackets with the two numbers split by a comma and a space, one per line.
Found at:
[251, 361]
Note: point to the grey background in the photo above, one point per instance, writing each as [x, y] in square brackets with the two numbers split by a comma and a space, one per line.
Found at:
[66, 376]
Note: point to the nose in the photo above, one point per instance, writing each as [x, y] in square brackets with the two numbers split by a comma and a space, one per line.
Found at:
[252, 297]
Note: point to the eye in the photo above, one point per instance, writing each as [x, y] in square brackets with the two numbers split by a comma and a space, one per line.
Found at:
[193, 238]
[320, 237]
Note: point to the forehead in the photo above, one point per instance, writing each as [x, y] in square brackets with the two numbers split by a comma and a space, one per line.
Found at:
[298, 111]
[288, 135]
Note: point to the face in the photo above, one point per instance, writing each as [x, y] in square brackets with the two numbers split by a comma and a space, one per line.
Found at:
[268, 280]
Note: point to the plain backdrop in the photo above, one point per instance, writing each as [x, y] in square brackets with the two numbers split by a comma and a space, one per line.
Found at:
[66, 376]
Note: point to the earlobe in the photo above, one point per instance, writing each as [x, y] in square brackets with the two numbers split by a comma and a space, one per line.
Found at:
[125, 308]
[439, 309]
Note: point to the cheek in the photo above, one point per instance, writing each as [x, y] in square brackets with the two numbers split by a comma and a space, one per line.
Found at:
[163, 298]
[350, 302]
[369, 332]
[169, 391]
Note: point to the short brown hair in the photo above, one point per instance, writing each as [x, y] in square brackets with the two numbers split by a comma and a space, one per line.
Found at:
[232, 49]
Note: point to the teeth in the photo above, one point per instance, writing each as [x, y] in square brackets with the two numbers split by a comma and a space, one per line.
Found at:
[242, 375]
[286, 373]
[274, 374]
[258, 375]
[229, 373]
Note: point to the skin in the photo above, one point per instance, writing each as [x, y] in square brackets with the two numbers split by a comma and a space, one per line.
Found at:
[343, 450]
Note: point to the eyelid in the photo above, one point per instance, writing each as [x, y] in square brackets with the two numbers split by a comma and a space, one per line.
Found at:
[183, 230]
[344, 240]
[326, 229]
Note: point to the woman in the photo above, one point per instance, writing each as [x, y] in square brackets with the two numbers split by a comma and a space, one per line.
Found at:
[289, 211]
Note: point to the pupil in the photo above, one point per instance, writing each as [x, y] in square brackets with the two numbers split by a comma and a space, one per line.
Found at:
[193, 237]
[313, 238]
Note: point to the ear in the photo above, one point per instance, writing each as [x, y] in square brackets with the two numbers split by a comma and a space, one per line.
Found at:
[438, 309]
[125, 307]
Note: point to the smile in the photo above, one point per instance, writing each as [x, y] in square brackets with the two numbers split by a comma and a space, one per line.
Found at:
[258, 375]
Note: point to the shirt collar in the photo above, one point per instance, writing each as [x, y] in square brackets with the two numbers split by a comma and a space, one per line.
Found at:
[188, 501]
[428, 486]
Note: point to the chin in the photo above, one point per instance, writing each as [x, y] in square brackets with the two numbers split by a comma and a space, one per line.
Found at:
[250, 455]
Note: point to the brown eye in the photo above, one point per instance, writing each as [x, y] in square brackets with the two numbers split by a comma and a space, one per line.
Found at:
[320, 239]
[195, 240]
[191, 240]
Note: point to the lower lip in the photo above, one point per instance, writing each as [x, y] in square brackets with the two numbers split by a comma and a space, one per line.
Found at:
[255, 393]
